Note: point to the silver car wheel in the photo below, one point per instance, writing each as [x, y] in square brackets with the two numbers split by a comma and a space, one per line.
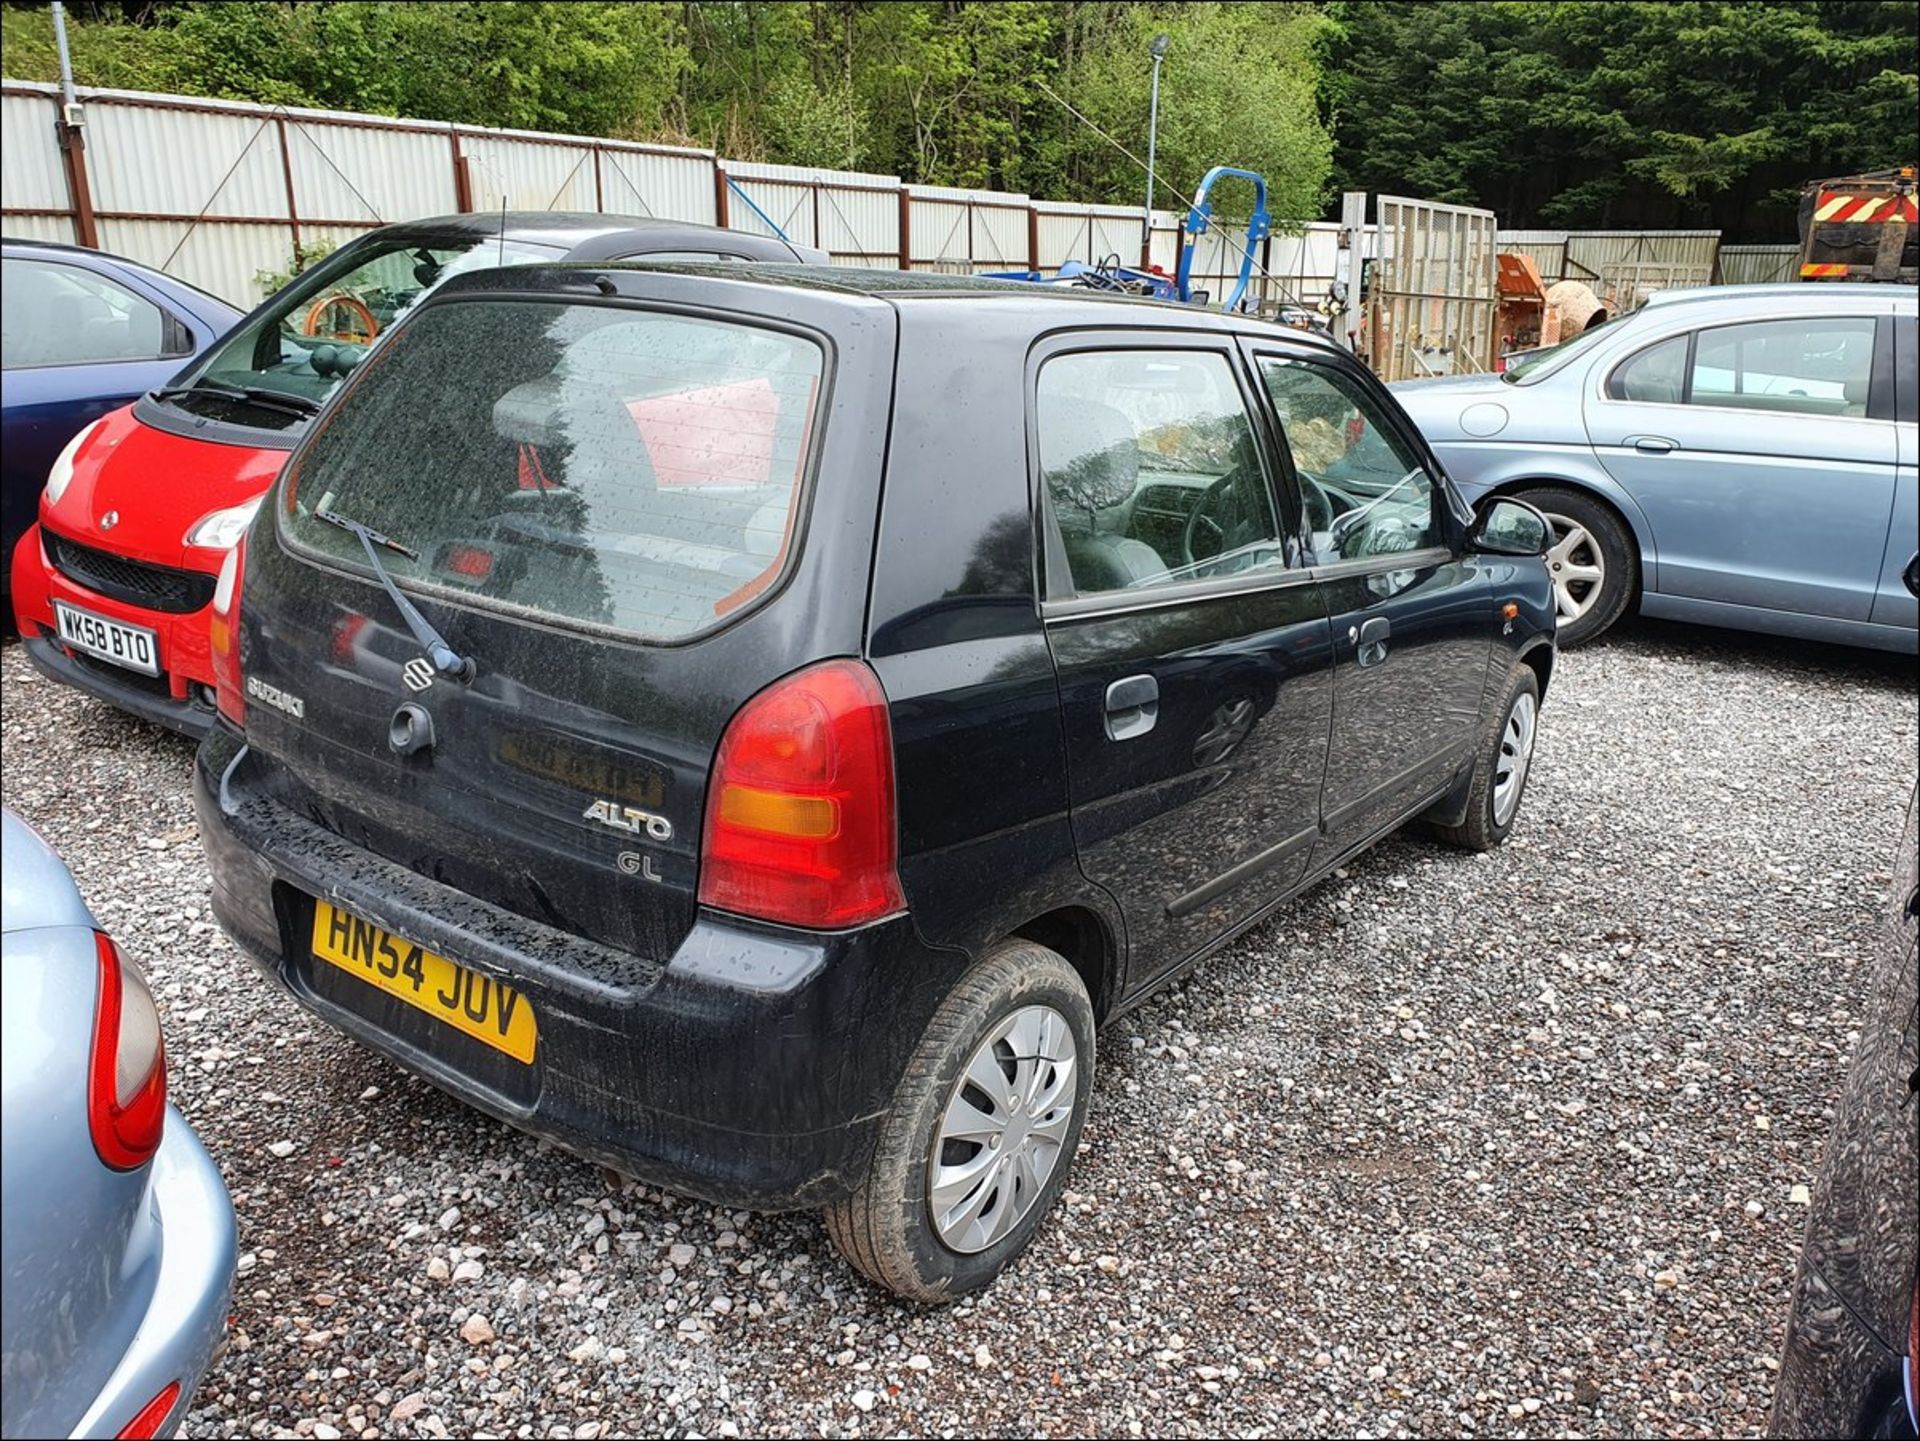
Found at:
[1002, 1132]
[1516, 754]
[1577, 567]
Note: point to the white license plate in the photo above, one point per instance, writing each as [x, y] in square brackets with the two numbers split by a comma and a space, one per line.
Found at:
[126, 645]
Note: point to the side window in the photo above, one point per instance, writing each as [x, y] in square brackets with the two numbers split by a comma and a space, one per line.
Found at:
[62, 315]
[1802, 367]
[1367, 493]
[1906, 387]
[1149, 459]
[1657, 374]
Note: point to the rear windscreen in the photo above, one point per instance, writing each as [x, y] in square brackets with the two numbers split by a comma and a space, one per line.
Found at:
[626, 469]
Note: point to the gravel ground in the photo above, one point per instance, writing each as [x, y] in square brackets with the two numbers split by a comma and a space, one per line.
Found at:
[1454, 1145]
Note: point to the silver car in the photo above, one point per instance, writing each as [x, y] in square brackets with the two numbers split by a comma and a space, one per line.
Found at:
[119, 1235]
[1741, 456]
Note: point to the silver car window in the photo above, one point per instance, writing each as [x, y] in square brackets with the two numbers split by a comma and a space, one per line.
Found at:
[1815, 366]
[1657, 374]
[1541, 363]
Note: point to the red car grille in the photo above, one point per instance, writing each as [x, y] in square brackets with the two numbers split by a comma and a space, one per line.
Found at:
[157, 587]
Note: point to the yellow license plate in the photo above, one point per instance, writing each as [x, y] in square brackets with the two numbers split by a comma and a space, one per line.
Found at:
[490, 1012]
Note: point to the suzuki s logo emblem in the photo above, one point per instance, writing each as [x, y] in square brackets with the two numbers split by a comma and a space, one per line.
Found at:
[418, 673]
[110, 520]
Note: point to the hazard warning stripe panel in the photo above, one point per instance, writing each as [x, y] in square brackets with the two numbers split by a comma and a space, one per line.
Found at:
[1857, 209]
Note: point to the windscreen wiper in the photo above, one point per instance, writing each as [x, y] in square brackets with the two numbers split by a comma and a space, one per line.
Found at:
[259, 395]
[443, 657]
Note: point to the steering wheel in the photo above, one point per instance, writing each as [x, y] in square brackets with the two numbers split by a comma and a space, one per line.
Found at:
[1320, 507]
[317, 314]
[1326, 502]
[1199, 521]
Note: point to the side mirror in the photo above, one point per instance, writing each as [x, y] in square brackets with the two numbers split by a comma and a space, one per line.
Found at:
[1911, 575]
[1505, 526]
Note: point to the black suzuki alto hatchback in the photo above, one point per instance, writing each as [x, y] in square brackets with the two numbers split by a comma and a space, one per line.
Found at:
[751, 726]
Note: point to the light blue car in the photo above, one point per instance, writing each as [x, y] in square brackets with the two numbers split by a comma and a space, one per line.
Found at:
[119, 1235]
[1740, 456]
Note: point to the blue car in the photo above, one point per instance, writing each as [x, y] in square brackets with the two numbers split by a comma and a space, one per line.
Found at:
[1740, 456]
[119, 1234]
[82, 333]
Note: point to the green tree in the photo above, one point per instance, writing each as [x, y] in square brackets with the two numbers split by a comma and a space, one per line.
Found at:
[804, 124]
[1238, 87]
[1704, 113]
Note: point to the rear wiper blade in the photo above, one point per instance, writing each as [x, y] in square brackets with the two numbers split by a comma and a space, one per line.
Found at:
[443, 657]
[259, 395]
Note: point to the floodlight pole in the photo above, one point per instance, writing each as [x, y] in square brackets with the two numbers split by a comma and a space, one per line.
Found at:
[72, 141]
[60, 44]
[1158, 50]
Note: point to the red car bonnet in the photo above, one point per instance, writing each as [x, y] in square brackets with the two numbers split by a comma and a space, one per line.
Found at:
[156, 485]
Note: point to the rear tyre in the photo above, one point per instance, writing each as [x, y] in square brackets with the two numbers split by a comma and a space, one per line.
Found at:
[1500, 773]
[984, 1125]
[1593, 563]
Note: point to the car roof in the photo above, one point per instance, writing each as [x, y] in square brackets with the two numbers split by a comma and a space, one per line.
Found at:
[1792, 295]
[1049, 306]
[225, 313]
[577, 229]
[23, 242]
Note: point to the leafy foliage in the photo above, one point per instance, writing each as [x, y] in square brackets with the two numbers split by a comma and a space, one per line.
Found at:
[1584, 112]
[272, 282]
[1705, 113]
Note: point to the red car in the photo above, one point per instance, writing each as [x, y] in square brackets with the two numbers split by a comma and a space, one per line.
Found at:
[111, 588]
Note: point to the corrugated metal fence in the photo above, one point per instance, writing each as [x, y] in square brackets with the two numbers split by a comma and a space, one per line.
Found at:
[1758, 264]
[219, 192]
[1628, 264]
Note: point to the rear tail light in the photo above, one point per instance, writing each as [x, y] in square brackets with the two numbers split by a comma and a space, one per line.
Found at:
[800, 809]
[346, 637]
[223, 637]
[127, 1074]
[153, 1415]
[1910, 1369]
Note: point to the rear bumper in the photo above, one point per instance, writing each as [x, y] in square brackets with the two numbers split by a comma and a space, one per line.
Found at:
[187, 1317]
[172, 699]
[750, 1069]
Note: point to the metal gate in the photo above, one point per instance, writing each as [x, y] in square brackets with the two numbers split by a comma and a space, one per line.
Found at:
[1430, 295]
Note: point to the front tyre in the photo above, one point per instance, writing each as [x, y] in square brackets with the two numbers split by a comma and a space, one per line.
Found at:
[1500, 773]
[984, 1125]
[1592, 562]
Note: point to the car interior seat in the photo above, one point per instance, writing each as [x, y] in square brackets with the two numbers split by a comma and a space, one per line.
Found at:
[1091, 462]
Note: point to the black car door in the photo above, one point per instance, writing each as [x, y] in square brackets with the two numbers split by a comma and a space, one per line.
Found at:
[1191, 646]
[1411, 613]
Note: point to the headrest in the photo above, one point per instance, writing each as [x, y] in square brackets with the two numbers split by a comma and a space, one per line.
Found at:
[1089, 455]
[530, 413]
[559, 409]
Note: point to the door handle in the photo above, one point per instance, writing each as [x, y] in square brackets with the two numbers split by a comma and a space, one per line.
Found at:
[1133, 705]
[1654, 444]
[1369, 639]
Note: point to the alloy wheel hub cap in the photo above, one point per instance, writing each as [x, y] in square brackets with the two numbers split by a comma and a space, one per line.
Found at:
[1577, 567]
[1516, 755]
[1003, 1130]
